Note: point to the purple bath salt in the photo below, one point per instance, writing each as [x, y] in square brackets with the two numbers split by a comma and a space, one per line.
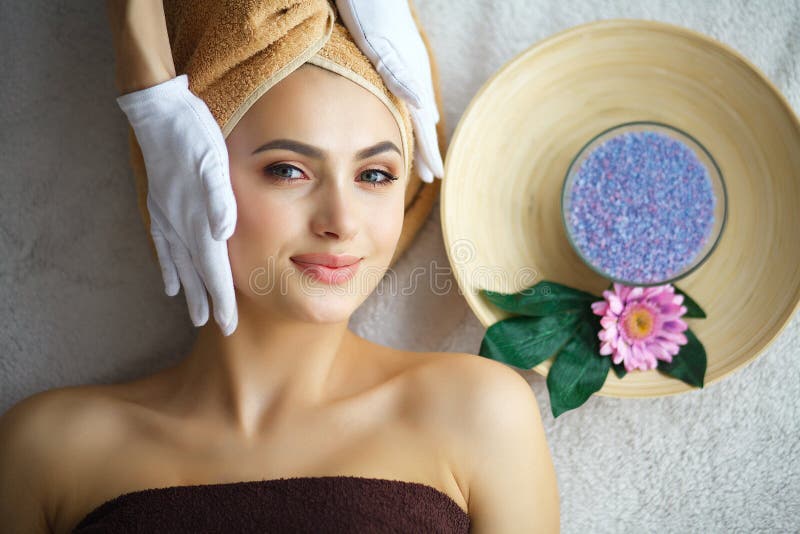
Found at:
[641, 207]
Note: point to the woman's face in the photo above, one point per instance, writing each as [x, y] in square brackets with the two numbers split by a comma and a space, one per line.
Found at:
[305, 182]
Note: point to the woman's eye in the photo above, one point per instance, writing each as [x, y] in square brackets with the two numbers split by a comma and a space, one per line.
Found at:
[283, 172]
[376, 177]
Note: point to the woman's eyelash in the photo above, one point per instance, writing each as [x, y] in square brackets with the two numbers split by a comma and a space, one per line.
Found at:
[271, 172]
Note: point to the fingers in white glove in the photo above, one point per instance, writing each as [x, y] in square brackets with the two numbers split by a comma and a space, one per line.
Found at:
[221, 205]
[427, 157]
[423, 171]
[396, 76]
[219, 282]
[388, 35]
[215, 174]
[176, 257]
[233, 324]
[193, 289]
[367, 21]
[168, 271]
[190, 196]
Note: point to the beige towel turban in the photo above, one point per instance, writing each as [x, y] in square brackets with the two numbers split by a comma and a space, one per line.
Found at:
[233, 51]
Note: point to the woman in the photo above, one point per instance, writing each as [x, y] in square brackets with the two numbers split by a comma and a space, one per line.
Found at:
[318, 166]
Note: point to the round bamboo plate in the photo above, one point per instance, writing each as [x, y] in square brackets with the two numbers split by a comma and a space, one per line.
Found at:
[500, 199]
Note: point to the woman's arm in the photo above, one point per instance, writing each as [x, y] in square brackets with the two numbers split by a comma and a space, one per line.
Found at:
[186, 160]
[513, 486]
[28, 439]
[141, 43]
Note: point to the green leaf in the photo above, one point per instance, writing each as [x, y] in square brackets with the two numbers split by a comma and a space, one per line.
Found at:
[619, 369]
[692, 308]
[578, 371]
[689, 364]
[542, 299]
[527, 341]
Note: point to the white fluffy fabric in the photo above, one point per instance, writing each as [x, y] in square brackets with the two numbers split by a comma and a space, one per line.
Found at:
[81, 300]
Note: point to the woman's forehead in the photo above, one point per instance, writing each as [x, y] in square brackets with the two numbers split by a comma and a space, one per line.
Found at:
[318, 107]
[314, 93]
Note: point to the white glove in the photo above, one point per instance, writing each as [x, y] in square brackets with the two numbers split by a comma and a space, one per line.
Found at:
[189, 196]
[386, 33]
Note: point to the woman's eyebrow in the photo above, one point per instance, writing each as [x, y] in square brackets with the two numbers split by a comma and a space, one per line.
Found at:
[383, 146]
[317, 153]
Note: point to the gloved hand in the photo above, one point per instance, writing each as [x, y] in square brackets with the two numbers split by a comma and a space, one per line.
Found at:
[190, 197]
[386, 33]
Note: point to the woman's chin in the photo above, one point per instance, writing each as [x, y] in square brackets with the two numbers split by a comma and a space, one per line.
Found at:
[322, 303]
[327, 310]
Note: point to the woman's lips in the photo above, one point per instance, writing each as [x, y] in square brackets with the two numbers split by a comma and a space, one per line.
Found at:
[326, 274]
[326, 259]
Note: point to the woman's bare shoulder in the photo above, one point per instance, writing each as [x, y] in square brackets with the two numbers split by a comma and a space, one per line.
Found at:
[460, 372]
[501, 445]
[63, 420]
[51, 416]
[65, 409]
[482, 405]
[468, 389]
[46, 438]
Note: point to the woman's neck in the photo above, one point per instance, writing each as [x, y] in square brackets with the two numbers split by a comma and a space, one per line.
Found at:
[266, 369]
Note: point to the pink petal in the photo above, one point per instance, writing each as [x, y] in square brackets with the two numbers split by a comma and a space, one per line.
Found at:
[612, 333]
[619, 289]
[631, 365]
[654, 347]
[663, 354]
[674, 325]
[652, 291]
[677, 337]
[635, 293]
[644, 359]
[671, 311]
[638, 352]
[665, 299]
[624, 292]
[615, 303]
[670, 347]
[606, 349]
[624, 349]
[660, 352]
[608, 321]
[600, 307]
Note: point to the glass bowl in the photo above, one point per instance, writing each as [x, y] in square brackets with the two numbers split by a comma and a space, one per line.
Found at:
[711, 236]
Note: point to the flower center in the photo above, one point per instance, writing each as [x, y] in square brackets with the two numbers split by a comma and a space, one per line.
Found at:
[639, 323]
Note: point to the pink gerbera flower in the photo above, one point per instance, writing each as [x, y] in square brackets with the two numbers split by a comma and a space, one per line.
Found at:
[641, 325]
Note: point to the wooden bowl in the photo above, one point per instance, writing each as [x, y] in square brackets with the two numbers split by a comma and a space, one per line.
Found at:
[506, 163]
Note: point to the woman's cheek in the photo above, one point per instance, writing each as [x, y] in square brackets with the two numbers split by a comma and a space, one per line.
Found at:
[387, 226]
[261, 232]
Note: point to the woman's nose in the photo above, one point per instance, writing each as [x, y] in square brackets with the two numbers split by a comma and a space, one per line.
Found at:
[336, 213]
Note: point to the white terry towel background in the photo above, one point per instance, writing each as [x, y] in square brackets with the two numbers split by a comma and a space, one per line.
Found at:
[81, 300]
